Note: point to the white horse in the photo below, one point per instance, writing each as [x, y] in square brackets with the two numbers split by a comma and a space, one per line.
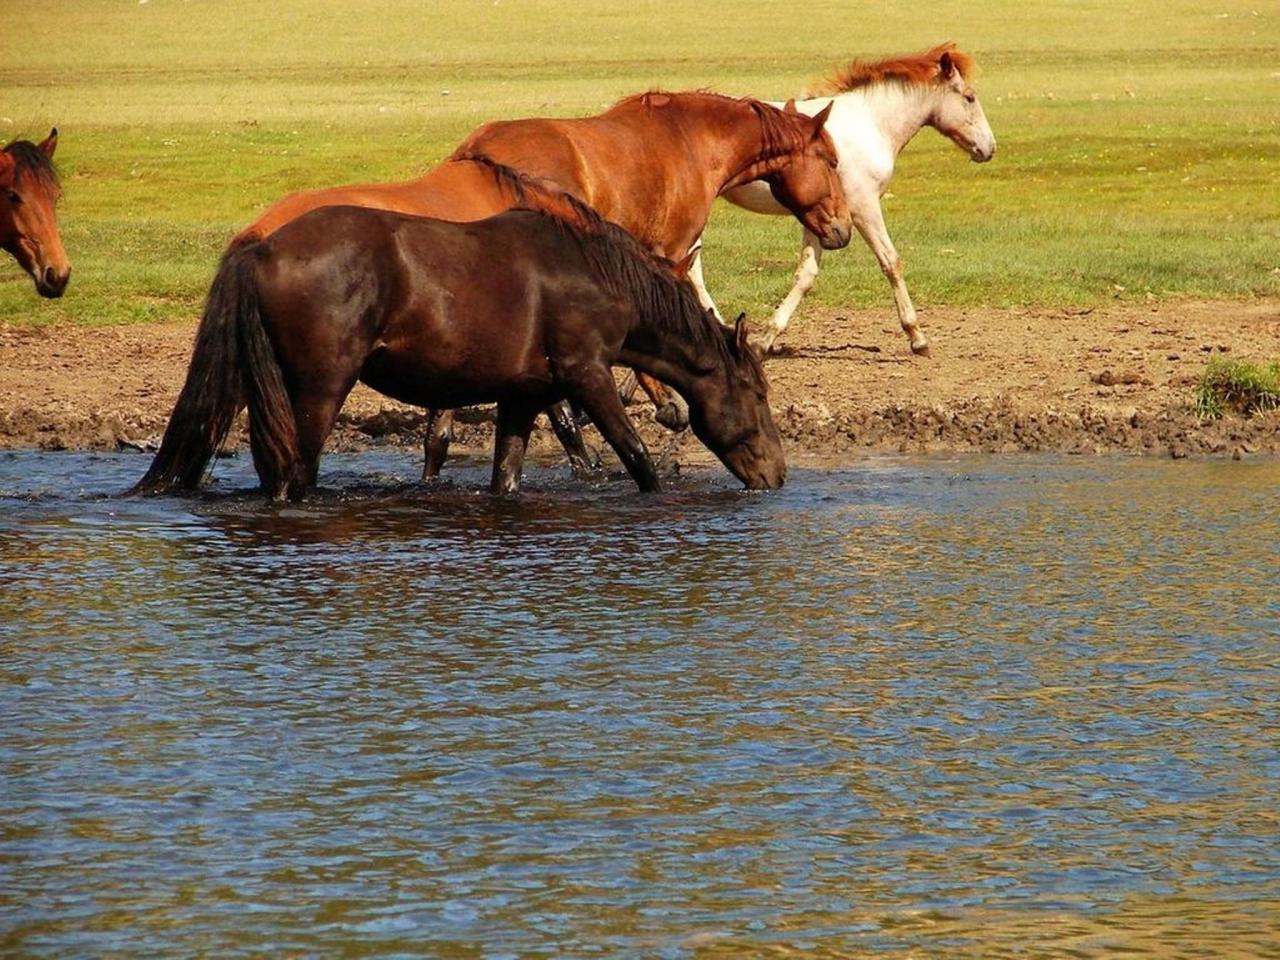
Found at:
[876, 108]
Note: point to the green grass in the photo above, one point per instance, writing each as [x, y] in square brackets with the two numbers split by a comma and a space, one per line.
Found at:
[1239, 387]
[1139, 143]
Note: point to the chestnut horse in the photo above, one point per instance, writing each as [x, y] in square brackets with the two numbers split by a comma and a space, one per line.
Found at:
[653, 163]
[523, 309]
[29, 191]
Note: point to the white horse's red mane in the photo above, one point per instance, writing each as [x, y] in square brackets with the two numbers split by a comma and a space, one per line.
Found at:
[919, 68]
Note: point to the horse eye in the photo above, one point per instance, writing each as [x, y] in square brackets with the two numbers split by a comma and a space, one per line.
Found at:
[970, 98]
[14, 198]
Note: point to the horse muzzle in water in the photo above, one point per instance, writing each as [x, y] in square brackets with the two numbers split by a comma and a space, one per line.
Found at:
[769, 478]
[756, 469]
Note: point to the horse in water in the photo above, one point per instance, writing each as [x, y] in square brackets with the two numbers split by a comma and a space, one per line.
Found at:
[523, 309]
[29, 191]
[653, 163]
[873, 110]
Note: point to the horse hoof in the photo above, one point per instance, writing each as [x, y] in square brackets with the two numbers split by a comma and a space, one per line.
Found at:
[672, 417]
[921, 350]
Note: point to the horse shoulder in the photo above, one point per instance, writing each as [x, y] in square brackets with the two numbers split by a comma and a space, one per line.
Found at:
[866, 154]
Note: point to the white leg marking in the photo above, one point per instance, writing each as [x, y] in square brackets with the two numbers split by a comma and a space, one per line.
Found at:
[806, 274]
[700, 284]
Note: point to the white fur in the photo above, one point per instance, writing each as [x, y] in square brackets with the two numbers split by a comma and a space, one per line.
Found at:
[869, 127]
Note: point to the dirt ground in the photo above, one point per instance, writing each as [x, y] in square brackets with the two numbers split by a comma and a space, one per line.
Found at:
[1112, 379]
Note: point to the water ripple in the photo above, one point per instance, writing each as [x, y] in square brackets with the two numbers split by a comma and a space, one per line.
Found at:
[996, 707]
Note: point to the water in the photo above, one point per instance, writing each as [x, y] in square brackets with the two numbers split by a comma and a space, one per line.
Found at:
[975, 707]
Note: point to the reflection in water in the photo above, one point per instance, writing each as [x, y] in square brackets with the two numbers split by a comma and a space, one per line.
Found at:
[987, 707]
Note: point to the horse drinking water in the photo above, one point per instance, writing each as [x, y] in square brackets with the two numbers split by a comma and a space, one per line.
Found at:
[873, 110]
[523, 309]
[653, 163]
[29, 192]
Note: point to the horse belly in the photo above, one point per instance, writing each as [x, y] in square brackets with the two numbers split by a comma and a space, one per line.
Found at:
[756, 197]
[447, 358]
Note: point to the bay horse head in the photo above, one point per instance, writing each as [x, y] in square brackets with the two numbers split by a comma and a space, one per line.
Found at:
[29, 191]
[956, 112]
[735, 421]
[807, 183]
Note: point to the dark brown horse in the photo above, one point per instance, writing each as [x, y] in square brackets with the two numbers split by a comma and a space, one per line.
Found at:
[29, 191]
[523, 309]
[653, 163]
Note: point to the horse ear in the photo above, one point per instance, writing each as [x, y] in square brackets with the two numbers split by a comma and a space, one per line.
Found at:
[682, 267]
[6, 170]
[790, 106]
[740, 342]
[820, 119]
[946, 66]
[50, 143]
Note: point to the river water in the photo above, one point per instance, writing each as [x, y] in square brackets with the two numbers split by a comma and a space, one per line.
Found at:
[995, 707]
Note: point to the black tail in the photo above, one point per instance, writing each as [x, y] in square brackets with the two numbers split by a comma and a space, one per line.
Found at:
[232, 362]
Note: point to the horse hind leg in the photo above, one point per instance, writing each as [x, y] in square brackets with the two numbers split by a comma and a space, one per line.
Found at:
[315, 411]
[435, 445]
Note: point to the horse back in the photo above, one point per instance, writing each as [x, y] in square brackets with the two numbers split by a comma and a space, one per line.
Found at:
[435, 313]
[537, 147]
[455, 191]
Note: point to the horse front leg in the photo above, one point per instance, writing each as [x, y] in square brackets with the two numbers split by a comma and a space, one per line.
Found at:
[669, 408]
[435, 446]
[806, 274]
[869, 220]
[511, 441]
[594, 390]
[700, 283]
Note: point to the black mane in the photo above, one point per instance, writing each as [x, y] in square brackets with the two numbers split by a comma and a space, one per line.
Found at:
[618, 259]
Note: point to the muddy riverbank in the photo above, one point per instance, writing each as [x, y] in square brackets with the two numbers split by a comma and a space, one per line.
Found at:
[1112, 379]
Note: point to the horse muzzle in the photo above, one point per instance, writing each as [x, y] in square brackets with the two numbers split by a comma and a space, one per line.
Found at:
[50, 283]
[836, 236]
[769, 477]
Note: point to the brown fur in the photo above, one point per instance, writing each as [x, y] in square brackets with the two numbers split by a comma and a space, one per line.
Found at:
[653, 163]
[348, 293]
[28, 218]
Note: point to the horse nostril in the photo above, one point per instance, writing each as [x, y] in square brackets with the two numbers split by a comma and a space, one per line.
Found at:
[52, 284]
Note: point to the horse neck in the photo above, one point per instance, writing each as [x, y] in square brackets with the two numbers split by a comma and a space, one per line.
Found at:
[673, 359]
[898, 110]
[737, 146]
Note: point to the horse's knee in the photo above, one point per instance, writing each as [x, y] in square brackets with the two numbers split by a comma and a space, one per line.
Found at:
[806, 274]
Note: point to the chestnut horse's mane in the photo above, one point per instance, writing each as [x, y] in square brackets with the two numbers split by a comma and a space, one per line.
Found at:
[619, 260]
[29, 158]
[780, 135]
[920, 68]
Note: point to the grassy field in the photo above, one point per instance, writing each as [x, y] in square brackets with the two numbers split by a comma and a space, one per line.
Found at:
[1139, 143]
